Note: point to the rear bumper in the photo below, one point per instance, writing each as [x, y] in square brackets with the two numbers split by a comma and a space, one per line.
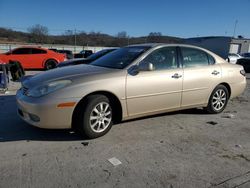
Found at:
[44, 113]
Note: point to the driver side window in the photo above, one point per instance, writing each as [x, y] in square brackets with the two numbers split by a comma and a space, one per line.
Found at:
[161, 59]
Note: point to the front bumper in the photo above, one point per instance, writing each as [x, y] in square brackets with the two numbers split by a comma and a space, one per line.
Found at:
[43, 112]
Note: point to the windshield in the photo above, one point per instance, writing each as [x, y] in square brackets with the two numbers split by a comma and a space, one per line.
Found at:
[120, 58]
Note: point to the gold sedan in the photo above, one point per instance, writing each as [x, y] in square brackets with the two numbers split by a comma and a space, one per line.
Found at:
[130, 82]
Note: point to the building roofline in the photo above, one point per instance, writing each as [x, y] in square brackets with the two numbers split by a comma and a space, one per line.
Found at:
[215, 37]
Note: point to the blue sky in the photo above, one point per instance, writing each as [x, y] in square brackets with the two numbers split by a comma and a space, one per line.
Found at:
[181, 18]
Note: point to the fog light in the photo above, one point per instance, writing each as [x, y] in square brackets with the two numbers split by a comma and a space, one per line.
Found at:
[34, 118]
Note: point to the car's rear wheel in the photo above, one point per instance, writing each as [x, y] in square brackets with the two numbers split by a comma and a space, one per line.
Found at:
[218, 100]
[50, 64]
[95, 116]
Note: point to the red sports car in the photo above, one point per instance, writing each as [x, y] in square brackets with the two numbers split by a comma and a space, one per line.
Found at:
[34, 57]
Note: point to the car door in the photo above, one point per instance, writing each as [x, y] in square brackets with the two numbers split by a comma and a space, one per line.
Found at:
[22, 55]
[37, 58]
[155, 90]
[201, 75]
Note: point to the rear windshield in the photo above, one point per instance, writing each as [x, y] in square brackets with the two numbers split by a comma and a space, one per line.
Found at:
[121, 58]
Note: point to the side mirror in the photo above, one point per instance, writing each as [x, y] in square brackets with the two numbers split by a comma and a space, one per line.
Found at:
[150, 67]
[134, 70]
[146, 66]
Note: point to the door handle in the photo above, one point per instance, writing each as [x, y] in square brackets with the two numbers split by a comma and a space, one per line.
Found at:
[176, 76]
[215, 72]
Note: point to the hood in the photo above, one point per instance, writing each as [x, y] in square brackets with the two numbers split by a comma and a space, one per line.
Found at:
[68, 72]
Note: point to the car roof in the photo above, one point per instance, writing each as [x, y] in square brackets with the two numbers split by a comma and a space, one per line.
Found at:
[30, 47]
[152, 45]
[146, 44]
[34, 47]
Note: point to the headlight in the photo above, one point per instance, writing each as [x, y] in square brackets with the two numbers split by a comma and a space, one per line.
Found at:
[48, 88]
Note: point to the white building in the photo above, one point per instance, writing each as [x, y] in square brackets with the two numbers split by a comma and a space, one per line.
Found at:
[221, 45]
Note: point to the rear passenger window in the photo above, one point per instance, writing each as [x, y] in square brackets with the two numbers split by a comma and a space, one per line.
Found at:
[194, 57]
[38, 51]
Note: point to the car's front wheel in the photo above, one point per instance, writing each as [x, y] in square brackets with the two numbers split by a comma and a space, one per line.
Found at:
[95, 116]
[218, 100]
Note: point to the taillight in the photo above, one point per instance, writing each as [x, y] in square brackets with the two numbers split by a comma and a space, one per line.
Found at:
[243, 72]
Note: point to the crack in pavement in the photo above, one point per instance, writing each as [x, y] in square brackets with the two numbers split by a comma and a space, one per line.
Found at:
[233, 182]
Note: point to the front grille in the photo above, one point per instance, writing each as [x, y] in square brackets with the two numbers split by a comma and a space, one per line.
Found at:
[25, 90]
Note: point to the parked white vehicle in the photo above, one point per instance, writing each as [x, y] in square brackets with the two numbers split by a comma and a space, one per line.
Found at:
[232, 57]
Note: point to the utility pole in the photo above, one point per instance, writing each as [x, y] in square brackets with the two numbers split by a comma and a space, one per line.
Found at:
[235, 25]
[75, 41]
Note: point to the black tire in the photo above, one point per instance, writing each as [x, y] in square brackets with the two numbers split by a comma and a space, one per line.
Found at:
[216, 106]
[50, 64]
[86, 110]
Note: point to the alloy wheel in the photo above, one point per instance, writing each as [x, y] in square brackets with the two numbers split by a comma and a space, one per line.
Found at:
[219, 99]
[100, 117]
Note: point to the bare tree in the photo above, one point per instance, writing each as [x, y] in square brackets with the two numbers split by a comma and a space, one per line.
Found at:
[154, 36]
[39, 33]
[122, 34]
[122, 38]
[68, 32]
